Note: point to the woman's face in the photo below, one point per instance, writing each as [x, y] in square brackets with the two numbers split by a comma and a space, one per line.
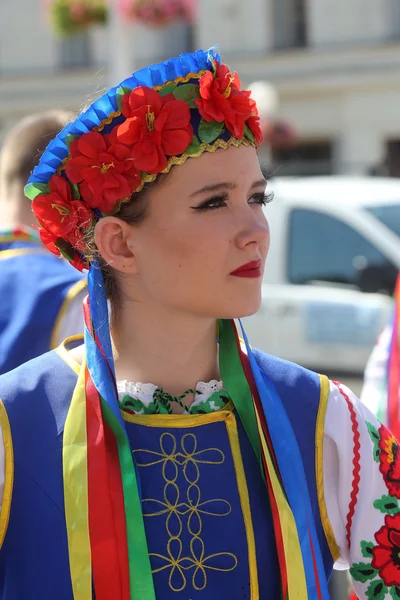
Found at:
[203, 223]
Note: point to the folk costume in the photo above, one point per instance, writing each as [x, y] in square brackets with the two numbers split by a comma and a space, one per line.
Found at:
[40, 296]
[253, 492]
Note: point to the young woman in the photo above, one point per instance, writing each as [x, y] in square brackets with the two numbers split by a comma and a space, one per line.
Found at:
[164, 458]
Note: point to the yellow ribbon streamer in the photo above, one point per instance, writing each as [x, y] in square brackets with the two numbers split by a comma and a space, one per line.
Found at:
[76, 492]
[297, 586]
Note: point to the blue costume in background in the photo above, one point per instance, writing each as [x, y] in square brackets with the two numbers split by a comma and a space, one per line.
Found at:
[35, 289]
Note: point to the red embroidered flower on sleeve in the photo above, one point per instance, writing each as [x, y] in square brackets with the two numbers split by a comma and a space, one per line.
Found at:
[389, 459]
[104, 171]
[61, 217]
[223, 101]
[386, 555]
[155, 127]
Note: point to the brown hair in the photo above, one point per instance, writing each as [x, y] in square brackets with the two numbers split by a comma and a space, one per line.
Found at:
[133, 212]
[26, 142]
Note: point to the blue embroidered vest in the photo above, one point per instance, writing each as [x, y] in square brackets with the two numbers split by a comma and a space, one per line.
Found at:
[206, 510]
[33, 287]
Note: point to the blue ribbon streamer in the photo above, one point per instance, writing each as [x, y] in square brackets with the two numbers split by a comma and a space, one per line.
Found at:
[101, 369]
[293, 476]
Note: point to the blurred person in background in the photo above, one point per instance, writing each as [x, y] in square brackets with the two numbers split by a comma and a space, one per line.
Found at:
[380, 393]
[41, 295]
[380, 390]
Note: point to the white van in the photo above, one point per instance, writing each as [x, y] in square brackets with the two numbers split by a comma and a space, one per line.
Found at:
[331, 270]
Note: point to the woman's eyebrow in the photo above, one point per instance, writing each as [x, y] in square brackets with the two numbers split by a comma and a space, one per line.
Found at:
[259, 183]
[226, 185]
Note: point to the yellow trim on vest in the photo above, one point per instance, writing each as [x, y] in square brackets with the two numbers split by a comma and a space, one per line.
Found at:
[21, 252]
[65, 355]
[9, 472]
[179, 420]
[233, 435]
[319, 455]
[75, 478]
[73, 291]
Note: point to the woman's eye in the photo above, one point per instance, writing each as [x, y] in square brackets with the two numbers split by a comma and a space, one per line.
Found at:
[213, 203]
[262, 198]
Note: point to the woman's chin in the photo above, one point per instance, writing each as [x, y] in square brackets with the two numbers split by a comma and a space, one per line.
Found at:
[241, 310]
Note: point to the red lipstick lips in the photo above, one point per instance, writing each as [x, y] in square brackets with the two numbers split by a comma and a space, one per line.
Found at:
[250, 270]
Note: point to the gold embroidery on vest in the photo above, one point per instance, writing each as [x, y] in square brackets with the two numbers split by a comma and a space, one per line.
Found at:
[187, 460]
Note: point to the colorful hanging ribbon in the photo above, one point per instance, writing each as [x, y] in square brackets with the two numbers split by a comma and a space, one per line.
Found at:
[301, 552]
[291, 467]
[99, 464]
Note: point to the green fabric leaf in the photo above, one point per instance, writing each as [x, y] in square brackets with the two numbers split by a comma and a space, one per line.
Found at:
[121, 91]
[189, 93]
[213, 65]
[362, 572]
[366, 549]
[193, 147]
[168, 89]
[395, 592]
[376, 590]
[32, 190]
[75, 191]
[70, 138]
[375, 437]
[387, 505]
[65, 248]
[248, 133]
[209, 131]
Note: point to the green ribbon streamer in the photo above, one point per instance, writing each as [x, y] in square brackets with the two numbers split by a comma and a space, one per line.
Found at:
[236, 384]
[140, 575]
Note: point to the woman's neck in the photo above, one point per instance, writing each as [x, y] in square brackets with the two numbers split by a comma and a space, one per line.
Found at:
[172, 351]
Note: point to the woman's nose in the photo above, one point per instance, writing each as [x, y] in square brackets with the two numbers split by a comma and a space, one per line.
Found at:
[254, 229]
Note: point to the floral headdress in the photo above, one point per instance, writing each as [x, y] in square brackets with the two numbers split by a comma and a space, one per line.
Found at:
[155, 119]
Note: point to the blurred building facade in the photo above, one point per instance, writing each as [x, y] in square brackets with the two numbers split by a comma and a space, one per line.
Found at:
[336, 67]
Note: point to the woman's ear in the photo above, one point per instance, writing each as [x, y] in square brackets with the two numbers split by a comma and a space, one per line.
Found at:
[113, 239]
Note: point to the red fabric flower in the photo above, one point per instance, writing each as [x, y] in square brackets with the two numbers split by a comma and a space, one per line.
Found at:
[61, 216]
[386, 555]
[389, 458]
[79, 263]
[155, 126]
[104, 171]
[48, 240]
[223, 101]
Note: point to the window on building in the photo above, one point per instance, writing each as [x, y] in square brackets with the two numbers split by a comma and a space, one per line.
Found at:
[75, 52]
[290, 23]
[324, 249]
[394, 19]
[304, 159]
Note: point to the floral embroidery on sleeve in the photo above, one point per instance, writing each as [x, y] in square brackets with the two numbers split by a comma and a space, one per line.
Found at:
[382, 569]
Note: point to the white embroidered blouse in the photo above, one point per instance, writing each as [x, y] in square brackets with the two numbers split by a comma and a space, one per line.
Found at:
[357, 485]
